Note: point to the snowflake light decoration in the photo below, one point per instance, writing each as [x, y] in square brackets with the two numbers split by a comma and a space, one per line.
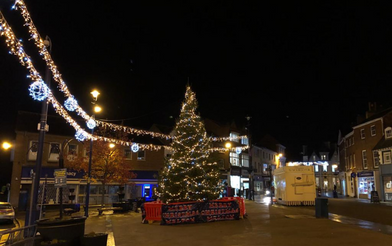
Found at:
[135, 147]
[71, 103]
[80, 135]
[91, 124]
[39, 91]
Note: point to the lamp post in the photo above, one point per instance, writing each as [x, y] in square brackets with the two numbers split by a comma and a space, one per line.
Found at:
[7, 146]
[97, 109]
[250, 169]
[43, 128]
[270, 173]
[61, 165]
[228, 147]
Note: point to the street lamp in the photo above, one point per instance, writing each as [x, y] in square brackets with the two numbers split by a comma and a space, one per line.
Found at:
[7, 146]
[250, 169]
[228, 189]
[43, 128]
[61, 165]
[97, 109]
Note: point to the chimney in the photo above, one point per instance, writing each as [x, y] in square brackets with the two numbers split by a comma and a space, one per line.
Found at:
[372, 109]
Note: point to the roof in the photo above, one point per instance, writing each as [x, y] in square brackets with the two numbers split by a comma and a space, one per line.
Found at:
[376, 115]
[383, 144]
[268, 142]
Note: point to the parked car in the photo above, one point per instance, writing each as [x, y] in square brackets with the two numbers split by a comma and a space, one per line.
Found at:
[7, 212]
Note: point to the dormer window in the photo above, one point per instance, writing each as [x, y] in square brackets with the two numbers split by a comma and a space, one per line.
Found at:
[388, 132]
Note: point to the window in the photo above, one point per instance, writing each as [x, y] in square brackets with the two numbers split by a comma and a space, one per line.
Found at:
[245, 160]
[364, 159]
[376, 158]
[325, 168]
[234, 159]
[316, 168]
[141, 155]
[244, 141]
[54, 151]
[373, 130]
[323, 157]
[234, 137]
[128, 154]
[72, 151]
[334, 167]
[265, 168]
[33, 150]
[386, 155]
[362, 133]
[388, 132]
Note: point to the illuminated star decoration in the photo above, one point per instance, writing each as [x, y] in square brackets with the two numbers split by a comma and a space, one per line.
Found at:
[39, 90]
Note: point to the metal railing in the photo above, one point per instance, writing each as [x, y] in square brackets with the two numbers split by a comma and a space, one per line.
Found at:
[23, 236]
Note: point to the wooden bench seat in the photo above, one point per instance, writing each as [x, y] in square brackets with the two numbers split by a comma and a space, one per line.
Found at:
[100, 210]
[69, 211]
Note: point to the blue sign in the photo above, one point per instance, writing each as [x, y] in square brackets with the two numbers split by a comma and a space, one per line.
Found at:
[365, 174]
[353, 175]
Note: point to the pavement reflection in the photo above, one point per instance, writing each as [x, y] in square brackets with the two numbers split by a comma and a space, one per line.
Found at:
[361, 223]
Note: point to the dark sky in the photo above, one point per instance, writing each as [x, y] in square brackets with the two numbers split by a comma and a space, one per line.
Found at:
[301, 71]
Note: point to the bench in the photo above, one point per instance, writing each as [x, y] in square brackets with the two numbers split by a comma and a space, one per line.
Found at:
[100, 210]
[69, 211]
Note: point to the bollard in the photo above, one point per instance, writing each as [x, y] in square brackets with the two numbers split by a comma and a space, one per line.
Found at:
[321, 206]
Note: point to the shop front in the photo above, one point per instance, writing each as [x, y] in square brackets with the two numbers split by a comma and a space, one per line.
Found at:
[235, 181]
[144, 185]
[386, 182]
[365, 184]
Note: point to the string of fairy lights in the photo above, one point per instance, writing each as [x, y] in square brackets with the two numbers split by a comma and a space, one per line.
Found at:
[40, 91]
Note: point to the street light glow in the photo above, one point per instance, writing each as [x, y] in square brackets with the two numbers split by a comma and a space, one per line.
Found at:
[6, 145]
[112, 145]
[97, 109]
[228, 145]
[95, 94]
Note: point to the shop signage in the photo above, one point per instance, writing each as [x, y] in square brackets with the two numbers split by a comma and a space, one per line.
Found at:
[60, 177]
[365, 174]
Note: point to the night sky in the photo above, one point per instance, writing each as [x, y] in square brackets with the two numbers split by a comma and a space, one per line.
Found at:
[301, 71]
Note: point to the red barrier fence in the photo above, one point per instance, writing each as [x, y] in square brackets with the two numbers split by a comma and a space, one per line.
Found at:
[154, 209]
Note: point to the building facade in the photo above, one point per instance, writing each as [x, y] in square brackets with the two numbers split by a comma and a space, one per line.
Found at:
[145, 165]
[361, 151]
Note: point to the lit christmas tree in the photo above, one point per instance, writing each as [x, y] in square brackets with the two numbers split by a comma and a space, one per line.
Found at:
[189, 175]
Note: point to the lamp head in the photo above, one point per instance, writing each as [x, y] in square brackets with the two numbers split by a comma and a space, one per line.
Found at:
[95, 94]
[97, 109]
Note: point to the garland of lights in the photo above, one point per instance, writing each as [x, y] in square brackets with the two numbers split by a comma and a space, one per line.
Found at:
[39, 91]
[71, 103]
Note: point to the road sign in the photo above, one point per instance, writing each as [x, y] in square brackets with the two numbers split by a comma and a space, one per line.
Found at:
[60, 177]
